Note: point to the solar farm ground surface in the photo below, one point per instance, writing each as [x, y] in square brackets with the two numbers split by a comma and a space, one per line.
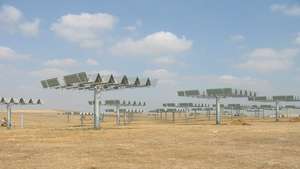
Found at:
[48, 141]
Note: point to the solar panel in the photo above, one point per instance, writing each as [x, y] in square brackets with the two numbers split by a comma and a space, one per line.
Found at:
[83, 77]
[22, 101]
[219, 92]
[183, 104]
[3, 100]
[53, 82]
[171, 110]
[124, 80]
[192, 93]
[137, 82]
[98, 79]
[284, 98]
[180, 93]
[260, 98]
[112, 102]
[44, 84]
[148, 82]
[75, 78]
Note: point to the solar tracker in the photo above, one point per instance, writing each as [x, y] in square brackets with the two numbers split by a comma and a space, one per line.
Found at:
[217, 94]
[97, 83]
[276, 100]
[10, 102]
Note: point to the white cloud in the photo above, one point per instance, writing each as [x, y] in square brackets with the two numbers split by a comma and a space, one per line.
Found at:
[291, 10]
[130, 28]
[267, 60]
[164, 76]
[238, 38]
[297, 40]
[48, 72]
[165, 61]
[66, 62]
[13, 21]
[9, 54]
[85, 29]
[30, 28]
[90, 61]
[156, 44]
[106, 72]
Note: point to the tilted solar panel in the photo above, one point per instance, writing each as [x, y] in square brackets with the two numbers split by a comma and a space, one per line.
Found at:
[53, 82]
[192, 93]
[44, 84]
[180, 93]
[75, 78]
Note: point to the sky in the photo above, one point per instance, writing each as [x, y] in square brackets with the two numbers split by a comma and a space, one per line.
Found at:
[195, 44]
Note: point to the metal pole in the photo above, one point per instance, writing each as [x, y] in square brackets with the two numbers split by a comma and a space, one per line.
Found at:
[218, 113]
[277, 111]
[81, 119]
[96, 110]
[173, 116]
[118, 115]
[9, 125]
[160, 114]
[231, 112]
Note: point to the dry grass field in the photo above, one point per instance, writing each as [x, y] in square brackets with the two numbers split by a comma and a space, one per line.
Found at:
[48, 141]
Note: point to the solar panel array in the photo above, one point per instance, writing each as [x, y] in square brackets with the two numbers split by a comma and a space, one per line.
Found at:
[184, 105]
[283, 98]
[83, 81]
[217, 92]
[20, 101]
[120, 103]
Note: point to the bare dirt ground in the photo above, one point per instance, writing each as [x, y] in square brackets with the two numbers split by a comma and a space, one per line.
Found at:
[48, 141]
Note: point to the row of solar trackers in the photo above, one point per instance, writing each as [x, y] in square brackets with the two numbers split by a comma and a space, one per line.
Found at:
[118, 102]
[77, 113]
[275, 98]
[126, 110]
[185, 105]
[179, 109]
[223, 92]
[84, 80]
[20, 101]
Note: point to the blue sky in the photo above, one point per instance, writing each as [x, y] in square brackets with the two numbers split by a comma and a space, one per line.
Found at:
[185, 44]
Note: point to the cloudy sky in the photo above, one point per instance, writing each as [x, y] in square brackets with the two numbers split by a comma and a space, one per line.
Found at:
[193, 44]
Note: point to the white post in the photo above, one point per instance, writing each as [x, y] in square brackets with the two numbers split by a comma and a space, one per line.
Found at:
[218, 112]
[125, 117]
[118, 114]
[81, 119]
[96, 109]
[9, 123]
[277, 110]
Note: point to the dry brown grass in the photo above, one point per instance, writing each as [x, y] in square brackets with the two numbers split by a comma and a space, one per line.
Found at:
[49, 142]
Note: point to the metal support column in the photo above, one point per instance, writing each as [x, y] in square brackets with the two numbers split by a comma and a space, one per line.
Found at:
[96, 110]
[218, 112]
[118, 115]
[81, 119]
[277, 111]
[173, 116]
[9, 123]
